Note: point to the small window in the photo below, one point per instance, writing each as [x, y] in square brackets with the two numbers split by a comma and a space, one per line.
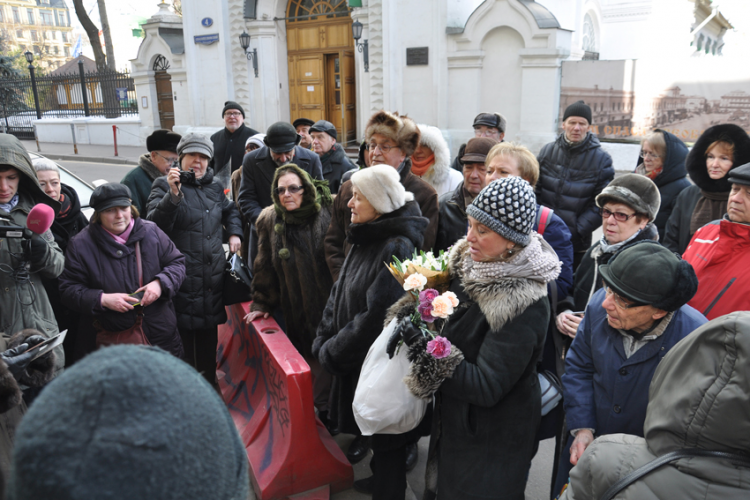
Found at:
[37, 50]
[57, 50]
[67, 51]
[64, 36]
[34, 36]
[16, 16]
[19, 33]
[31, 15]
[307, 10]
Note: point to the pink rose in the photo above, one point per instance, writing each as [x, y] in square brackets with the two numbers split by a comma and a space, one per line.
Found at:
[439, 347]
[415, 282]
[428, 295]
[442, 307]
[452, 297]
[425, 311]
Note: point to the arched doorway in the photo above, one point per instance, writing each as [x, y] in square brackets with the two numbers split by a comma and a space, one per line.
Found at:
[164, 92]
[320, 51]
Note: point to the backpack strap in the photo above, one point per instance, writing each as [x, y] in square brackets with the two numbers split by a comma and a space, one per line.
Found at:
[543, 217]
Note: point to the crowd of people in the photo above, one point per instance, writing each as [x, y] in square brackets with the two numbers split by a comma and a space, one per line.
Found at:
[620, 326]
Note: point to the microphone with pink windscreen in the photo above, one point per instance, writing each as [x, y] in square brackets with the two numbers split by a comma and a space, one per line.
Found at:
[40, 218]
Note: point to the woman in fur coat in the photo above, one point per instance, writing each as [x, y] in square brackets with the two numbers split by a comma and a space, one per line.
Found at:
[432, 162]
[488, 401]
[386, 222]
[291, 270]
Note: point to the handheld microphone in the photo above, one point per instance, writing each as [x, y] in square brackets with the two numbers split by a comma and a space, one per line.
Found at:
[38, 221]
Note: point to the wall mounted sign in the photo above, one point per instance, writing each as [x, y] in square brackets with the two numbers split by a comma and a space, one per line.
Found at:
[206, 39]
[416, 56]
[207, 22]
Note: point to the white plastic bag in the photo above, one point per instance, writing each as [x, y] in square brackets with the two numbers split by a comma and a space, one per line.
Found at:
[382, 402]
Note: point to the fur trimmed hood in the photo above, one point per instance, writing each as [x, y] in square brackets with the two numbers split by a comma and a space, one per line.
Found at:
[401, 129]
[696, 159]
[500, 300]
[432, 138]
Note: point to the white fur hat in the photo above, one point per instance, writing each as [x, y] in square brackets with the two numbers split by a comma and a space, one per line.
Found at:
[382, 187]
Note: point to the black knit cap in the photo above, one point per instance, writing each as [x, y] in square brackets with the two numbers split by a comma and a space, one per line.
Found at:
[163, 140]
[578, 108]
[740, 175]
[650, 274]
[232, 105]
[129, 422]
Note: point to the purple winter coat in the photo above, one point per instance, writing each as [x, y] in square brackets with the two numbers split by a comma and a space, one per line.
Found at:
[96, 264]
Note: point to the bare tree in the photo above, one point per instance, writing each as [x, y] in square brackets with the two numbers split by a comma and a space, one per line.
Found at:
[107, 35]
[93, 33]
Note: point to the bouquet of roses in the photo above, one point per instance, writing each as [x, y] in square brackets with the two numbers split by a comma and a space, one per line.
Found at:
[422, 277]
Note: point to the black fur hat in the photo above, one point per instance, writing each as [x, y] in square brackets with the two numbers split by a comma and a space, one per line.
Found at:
[696, 159]
[649, 273]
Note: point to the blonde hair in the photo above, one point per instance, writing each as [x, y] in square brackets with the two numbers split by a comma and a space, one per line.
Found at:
[527, 162]
[656, 140]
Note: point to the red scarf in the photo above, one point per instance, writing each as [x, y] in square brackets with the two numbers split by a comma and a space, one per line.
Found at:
[421, 167]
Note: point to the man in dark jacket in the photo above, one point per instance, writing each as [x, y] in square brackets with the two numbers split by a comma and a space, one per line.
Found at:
[332, 156]
[629, 325]
[302, 126]
[229, 142]
[162, 155]
[490, 125]
[392, 139]
[573, 170]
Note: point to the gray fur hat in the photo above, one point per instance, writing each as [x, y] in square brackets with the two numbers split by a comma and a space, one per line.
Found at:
[634, 190]
[382, 187]
[508, 207]
[195, 143]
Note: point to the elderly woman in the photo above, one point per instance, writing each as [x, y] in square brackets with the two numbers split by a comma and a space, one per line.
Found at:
[386, 222]
[101, 274]
[488, 401]
[69, 221]
[719, 251]
[662, 160]
[432, 162]
[628, 205]
[190, 206]
[717, 151]
[291, 270]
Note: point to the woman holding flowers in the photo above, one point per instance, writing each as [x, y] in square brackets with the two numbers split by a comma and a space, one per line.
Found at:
[386, 222]
[482, 365]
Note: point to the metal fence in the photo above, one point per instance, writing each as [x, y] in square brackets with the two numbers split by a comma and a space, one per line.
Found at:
[109, 94]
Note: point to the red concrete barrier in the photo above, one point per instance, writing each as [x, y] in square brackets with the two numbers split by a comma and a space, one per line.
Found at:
[267, 386]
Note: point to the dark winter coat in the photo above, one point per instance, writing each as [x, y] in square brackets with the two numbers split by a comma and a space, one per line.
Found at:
[258, 169]
[139, 181]
[677, 233]
[230, 146]
[95, 264]
[336, 243]
[570, 177]
[194, 222]
[335, 166]
[672, 180]
[452, 221]
[354, 313]
[605, 390]
[587, 279]
[301, 284]
[487, 412]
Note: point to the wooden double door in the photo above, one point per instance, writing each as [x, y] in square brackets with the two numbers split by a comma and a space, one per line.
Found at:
[321, 75]
[164, 99]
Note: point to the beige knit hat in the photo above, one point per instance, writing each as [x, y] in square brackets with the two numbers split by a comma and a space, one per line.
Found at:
[381, 186]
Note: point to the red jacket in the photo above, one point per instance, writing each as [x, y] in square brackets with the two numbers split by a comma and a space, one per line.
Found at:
[719, 254]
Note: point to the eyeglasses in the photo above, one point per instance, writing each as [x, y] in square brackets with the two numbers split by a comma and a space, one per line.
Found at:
[619, 216]
[292, 190]
[232, 113]
[170, 160]
[619, 301]
[649, 156]
[384, 148]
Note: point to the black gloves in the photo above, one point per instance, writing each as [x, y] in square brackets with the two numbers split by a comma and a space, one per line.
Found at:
[406, 331]
[17, 359]
[38, 249]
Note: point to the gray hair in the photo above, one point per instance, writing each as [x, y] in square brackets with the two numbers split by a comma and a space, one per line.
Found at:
[44, 165]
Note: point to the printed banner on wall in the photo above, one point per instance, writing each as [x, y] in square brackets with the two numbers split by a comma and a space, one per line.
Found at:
[629, 98]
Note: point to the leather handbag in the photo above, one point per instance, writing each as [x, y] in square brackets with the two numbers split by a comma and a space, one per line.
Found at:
[237, 281]
[551, 391]
[134, 334]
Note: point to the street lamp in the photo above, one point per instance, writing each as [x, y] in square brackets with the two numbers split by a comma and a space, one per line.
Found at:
[362, 47]
[251, 55]
[30, 58]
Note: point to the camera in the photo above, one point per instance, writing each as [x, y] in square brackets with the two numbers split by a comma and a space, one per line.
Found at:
[187, 177]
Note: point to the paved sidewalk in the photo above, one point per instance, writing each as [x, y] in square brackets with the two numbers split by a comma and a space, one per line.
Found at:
[127, 155]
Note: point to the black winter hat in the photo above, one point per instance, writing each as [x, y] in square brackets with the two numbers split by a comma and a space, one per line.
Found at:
[281, 137]
[110, 195]
[302, 121]
[634, 190]
[696, 159]
[232, 105]
[324, 126]
[129, 422]
[163, 140]
[491, 120]
[740, 175]
[648, 273]
[578, 108]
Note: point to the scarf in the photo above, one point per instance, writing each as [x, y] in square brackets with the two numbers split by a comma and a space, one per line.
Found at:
[605, 247]
[324, 157]
[537, 261]
[148, 166]
[122, 238]
[421, 167]
[65, 206]
[7, 207]
[641, 169]
[710, 207]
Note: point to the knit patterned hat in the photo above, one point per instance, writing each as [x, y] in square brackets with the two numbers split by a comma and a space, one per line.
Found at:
[508, 207]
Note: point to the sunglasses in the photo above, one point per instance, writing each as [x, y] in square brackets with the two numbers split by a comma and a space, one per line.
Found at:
[292, 190]
[619, 216]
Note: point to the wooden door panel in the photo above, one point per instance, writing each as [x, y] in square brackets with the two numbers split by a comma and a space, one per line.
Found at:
[291, 39]
[349, 93]
[339, 35]
[307, 87]
[308, 38]
[164, 99]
